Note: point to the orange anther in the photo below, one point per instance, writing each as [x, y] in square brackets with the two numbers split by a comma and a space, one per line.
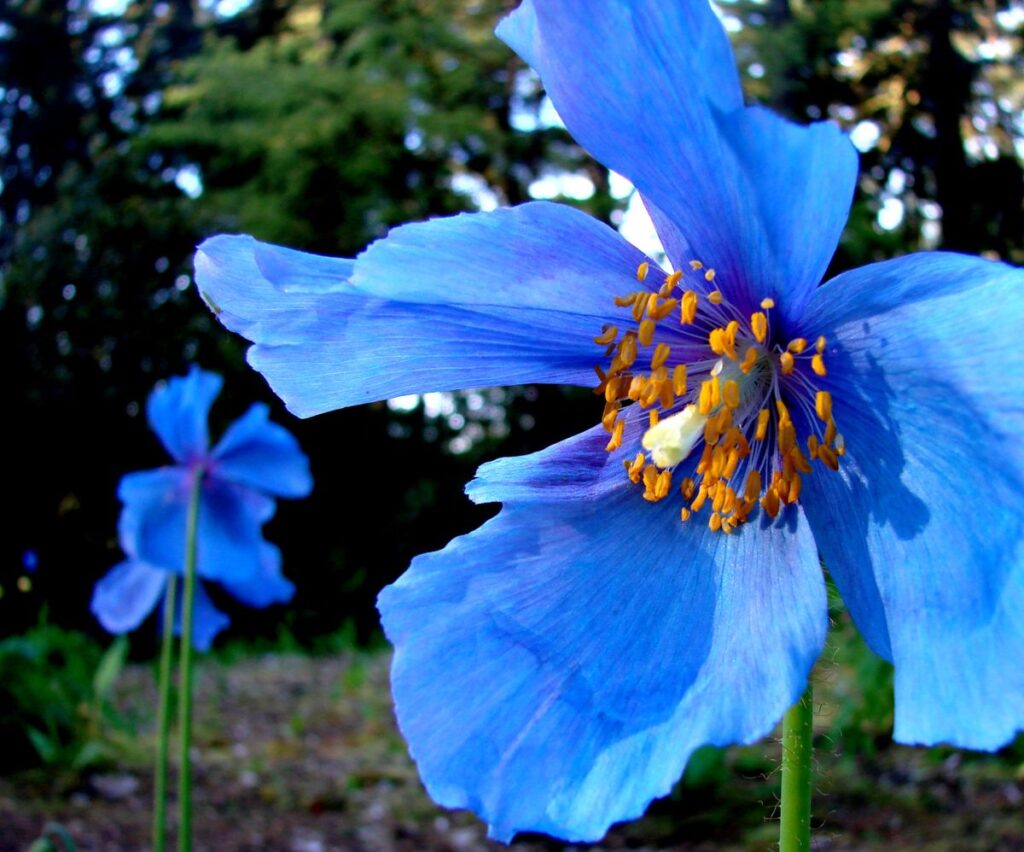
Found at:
[646, 332]
[660, 356]
[616, 440]
[786, 363]
[662, 310]
[627, 350]
[828, 457]
[679, 379]
[823, 405]
[753, 487]
[731, 394]
[688, 308]
[636, 468]
[607, 336]
[759, 326]
[763, 417]
[830, 432]
[639, 306]
[641, 271]
[818, 365]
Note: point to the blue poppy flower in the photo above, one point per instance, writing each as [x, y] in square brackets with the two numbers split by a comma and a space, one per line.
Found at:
[654, 584]
[255, 461]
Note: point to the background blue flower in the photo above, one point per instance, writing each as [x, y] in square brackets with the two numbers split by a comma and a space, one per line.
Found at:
[555, 669]
[255, 461]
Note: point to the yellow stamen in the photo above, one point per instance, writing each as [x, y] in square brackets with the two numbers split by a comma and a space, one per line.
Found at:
[639, 306]
[616, 440]
[716, 297]
[731, 394]
[763, 417]
[646, 332]
[753, 487]
[797, 345]
[659, 312]
[609, 334]
[650, 476]
[787, 437]
[661, 353]
[749, 360]
[767, 303]
[636, 468]
[696, 264]
[820, 345]
[823, 406]
[794, 489]
[709, 275]
[830, 432]
[688, 309]
[627, 350]
[653, 417]
[611, 414]
[786, 363]
[684, 514]
[679, 379]
[818, 365]
[828, 457]
[759, 326]
[770, 503]
[715, 522]
[641, 271]
[626, 301]
[663, 485]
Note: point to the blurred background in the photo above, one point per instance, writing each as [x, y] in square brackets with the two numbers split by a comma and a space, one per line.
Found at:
[130, 131]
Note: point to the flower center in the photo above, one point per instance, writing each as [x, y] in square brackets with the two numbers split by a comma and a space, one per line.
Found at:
[715, 377]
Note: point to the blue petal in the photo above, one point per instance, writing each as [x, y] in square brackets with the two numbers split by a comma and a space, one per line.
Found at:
[488, 299]
[651, 90]
[554, 670]
[923, 528]
[262, 455]
[207, 620]
[126, 594]
[266, 586]
[178, 413]
[231, 517]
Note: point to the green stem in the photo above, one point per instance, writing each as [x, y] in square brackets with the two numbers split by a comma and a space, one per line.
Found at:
[164, 720]
[185, 674]
[797, 752]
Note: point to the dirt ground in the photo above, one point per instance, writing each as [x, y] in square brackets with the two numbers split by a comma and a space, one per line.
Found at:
[301, 755]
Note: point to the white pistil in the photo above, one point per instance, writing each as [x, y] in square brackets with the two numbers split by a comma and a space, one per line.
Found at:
[671, 440]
